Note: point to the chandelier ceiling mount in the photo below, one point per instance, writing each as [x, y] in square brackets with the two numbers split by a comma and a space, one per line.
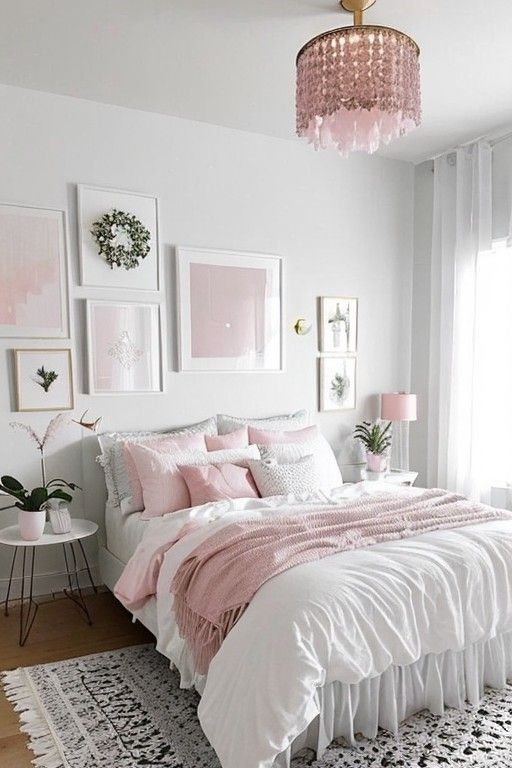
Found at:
[358, 87]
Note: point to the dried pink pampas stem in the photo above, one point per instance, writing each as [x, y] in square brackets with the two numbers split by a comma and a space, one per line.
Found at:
[53, 427]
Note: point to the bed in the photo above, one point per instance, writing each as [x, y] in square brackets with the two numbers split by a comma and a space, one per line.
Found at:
[338, 647]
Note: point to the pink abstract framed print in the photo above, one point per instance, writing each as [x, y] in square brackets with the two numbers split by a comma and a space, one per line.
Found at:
[44, 379]
[230, 311]
[124, 347]
[33, 273]
[138, 212]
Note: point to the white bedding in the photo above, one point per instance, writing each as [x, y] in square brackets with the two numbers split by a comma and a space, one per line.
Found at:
[346, 618]
[124, 531]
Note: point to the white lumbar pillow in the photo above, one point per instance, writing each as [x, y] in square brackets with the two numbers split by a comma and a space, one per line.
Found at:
[328, 471]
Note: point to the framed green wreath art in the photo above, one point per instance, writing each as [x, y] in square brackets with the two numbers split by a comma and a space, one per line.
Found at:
[122, 239]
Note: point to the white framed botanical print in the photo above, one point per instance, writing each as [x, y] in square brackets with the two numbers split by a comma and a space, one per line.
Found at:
[337, 383]
[338, 325]
[44, 379]
[118, 239]
[230, 311]
[124, 343]
[33, 273]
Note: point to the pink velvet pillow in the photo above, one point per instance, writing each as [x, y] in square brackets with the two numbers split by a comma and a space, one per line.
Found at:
[163, 444]
[237, 439]
[215, 483]
[273, 437]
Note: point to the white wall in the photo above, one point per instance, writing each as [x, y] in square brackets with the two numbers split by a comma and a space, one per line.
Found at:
[343, 227]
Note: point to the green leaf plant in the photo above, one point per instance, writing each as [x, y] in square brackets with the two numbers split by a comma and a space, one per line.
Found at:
[37, 498]
[376, 438]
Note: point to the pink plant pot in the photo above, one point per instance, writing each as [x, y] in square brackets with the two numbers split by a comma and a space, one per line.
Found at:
[31, 524]
[375, 462]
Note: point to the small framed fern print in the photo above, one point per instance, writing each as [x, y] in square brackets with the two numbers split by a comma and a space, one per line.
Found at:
[44, 380]
[337, 383]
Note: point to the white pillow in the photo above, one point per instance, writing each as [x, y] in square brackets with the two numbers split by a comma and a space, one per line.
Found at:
[112, 459]
[227, 424]
[275, 479]
[328, 471]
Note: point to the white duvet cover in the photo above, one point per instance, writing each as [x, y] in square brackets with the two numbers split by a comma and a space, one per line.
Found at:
[347, 617]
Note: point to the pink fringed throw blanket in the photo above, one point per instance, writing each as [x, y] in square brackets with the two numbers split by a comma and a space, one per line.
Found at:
[216, 582]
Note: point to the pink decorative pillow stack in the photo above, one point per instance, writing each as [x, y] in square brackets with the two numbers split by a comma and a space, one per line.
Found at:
[164, 444]
[215, 483]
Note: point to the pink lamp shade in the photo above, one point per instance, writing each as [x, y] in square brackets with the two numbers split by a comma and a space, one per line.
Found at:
[398, 406]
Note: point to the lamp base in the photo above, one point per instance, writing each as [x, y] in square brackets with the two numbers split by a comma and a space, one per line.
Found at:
[400, 446]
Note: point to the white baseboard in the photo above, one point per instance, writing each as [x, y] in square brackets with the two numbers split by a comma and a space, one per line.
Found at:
[46, 583]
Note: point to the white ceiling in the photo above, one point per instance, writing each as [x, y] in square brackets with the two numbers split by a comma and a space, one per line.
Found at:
[231, 62]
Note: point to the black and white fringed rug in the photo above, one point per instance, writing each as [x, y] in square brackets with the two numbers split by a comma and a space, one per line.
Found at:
[124, 709]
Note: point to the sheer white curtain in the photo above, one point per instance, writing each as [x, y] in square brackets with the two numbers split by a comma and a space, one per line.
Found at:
[462, 229]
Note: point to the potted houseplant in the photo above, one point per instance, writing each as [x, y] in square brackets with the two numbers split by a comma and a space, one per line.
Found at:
[376, 439]
[32, 505]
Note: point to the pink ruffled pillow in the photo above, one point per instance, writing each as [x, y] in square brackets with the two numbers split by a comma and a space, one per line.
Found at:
[274, 437]
[167, 444]
[218, 482]
[237, 439]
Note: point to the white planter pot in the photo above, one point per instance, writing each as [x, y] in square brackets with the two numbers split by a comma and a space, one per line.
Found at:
[60, 520]
[31, 524]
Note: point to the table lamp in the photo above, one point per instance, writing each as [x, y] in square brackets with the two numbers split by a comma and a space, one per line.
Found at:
[400, 408]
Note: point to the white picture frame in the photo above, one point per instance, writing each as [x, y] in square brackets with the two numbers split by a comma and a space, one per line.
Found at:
[124, 347]
[215, 330]
[38, 392]
[338, 325]
[337, 366]
[34, 281]
[93, 203]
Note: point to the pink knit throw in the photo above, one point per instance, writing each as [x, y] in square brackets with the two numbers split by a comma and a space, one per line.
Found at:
[214, 585]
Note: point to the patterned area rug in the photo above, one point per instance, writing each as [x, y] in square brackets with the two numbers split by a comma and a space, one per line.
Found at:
[124, 709]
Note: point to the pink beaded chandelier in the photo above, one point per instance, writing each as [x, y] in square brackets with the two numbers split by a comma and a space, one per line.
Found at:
[358, 87]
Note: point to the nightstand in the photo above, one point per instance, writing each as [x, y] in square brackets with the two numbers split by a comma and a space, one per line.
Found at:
[80, 529]
[401, 477]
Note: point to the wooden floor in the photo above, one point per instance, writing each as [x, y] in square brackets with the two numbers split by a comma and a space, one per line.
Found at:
[59, 632]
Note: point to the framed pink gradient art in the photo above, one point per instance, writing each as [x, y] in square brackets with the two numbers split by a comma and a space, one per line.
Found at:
[33, 273]
[124, 347]
[230, 311]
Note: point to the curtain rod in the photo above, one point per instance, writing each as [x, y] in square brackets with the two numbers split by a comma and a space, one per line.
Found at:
[493, 142]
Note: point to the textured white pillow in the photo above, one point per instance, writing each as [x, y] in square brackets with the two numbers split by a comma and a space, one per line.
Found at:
[275, 479]
[327, 469]
[112, 459]
[227, 424]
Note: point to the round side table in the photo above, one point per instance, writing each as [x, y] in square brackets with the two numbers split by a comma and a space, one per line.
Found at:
[80, 529]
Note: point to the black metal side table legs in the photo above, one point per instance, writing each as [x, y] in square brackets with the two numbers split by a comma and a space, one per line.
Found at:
[74, 591]
[26, 619]
[28, 606]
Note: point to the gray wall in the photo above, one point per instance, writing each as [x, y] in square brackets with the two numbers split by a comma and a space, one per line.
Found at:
[343, 227]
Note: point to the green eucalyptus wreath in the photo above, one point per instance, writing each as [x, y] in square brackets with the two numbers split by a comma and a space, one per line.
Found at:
[122, 239]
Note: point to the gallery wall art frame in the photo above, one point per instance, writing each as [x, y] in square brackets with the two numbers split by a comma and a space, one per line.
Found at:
[338, 332]
[333, 370]
[215, 290]
[125, 347]
[93, 202]
[34, 272]
[44, 380]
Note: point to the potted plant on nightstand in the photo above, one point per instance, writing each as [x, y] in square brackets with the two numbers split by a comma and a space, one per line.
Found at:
[376, 439]
[32, 505]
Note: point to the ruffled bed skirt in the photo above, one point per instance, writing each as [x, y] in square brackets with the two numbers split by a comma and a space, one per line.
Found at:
[433, 682]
